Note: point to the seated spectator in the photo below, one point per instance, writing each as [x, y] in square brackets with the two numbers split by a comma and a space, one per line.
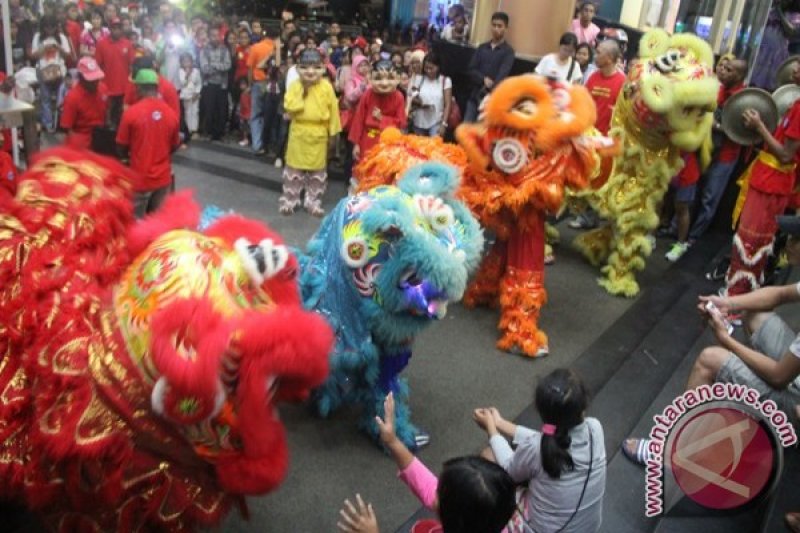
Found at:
[471, 494]
[562, 464]
[562, 66]
[769, 362]
[584, 29]
[584, 55]
[490, 64]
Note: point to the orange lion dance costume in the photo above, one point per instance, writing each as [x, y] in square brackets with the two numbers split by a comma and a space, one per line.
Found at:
[142, 362]
[530, 145]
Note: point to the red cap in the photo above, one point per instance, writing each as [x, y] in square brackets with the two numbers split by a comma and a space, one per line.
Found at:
[115, 21]
[89, 69]
[361, 42]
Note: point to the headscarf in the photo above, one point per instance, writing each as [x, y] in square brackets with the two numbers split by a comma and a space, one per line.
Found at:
[357, 78]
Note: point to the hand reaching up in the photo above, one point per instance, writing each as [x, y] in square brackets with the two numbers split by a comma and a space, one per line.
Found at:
[358, 518]
[386, 424]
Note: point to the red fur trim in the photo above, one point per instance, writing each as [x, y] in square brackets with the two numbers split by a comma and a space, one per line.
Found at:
[194, 323]
[179, 211]
[298, 357]
[282, 287]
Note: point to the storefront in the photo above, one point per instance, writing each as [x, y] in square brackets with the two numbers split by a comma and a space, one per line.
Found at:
[735, 26]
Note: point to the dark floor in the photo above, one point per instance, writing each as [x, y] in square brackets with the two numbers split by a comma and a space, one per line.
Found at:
[632, 352]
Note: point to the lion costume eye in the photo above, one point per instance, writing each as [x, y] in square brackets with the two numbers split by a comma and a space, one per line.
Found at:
[433, 209]
[668, 62]
[526, 108]
[355, 252]
[509, 155]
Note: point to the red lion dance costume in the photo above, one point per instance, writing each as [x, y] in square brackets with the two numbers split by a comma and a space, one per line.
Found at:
[141, 363]
[530, 145]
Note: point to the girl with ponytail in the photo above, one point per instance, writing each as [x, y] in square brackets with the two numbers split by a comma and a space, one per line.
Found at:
[563, 463]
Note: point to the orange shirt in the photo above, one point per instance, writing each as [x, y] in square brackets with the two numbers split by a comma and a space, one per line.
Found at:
[151, 131]
[83, 112]
[259, 52]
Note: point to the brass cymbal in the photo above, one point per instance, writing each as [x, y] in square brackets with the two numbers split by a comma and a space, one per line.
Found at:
[784, 73]
[751, 98]
[785, 96]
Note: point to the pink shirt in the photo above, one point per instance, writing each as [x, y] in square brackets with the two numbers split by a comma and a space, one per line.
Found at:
[585, 35]
[422, 482]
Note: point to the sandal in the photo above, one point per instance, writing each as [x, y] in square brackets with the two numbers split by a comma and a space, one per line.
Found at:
[636, 450]
[549, 259]
[792, 521]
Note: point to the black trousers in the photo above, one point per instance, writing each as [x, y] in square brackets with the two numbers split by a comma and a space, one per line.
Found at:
[114, 111]
[215, 110]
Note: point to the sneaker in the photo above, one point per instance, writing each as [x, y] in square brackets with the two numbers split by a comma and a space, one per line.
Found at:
[677, 251]
[244, 142]
[260, 152]
[278, 163]
[580, 222]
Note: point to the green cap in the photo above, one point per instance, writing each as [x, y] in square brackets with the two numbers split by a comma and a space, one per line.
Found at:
[146, 76]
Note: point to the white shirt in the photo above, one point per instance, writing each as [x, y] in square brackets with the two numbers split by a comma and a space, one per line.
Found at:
[431, 92]
[292, 75]
[549, 67]
[190, 84]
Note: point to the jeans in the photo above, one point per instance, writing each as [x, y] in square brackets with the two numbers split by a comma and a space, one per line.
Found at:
[257, 114]
[49, 102]
[716, 182]
[471, 112]
[433, 131]
[114, 112]
[145, 202]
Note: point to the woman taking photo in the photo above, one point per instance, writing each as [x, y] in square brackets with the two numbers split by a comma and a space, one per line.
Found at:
[50, 51]
[562, 65]
[430, 97]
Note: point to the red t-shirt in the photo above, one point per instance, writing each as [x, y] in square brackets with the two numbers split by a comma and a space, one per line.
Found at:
[83, 111]
[690, 172]
[772, 181]
[604, 90]
[8, 175]
[74, 30]
[115, 58]
[729, 151]
[150, 129]
[166, 91]
[242, 53]
[365, 129]
[245, 105]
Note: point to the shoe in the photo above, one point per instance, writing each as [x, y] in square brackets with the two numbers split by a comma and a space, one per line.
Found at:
[315, 211]
[580, 222]
[278, 163]
[677, 251]
[243, 142]
[636, 450]
[260, 152]
[422, 438]
[665, 231]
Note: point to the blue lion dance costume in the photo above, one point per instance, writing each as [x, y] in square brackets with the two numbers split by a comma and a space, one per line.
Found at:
[382, 266]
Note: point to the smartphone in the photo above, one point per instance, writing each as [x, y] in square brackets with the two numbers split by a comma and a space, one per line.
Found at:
[714, 310]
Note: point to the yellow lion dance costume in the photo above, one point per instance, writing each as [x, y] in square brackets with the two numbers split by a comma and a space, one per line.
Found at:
[665, 107]
[516, 163]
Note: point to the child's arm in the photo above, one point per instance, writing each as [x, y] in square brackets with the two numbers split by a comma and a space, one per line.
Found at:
[413, 473]
[294, 100]
[334, 122]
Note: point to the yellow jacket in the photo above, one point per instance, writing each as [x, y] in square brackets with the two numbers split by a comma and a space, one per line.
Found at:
[315, 118]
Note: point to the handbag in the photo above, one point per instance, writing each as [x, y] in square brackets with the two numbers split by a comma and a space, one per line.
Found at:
[50, 74]
[454, 117]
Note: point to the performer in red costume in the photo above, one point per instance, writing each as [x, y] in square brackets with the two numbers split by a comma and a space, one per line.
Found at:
[767, 188]
[139, 390]
[381, 107]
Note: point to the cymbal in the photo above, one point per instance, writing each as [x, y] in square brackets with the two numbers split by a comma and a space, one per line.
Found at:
[751, 98]
[784, 73]
[785, 96]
